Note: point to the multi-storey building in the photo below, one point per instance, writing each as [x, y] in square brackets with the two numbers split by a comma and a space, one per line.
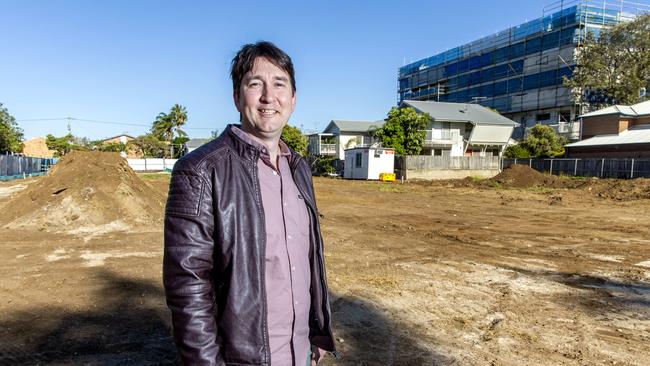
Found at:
[519, 71]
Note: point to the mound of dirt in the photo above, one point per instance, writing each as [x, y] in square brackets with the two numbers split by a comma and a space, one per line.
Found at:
[86, 193]
[522, 176]
[620, 189]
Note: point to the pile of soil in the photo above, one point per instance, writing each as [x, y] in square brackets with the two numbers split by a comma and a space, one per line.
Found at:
[522, 176]
[86, 193]
[620, 189]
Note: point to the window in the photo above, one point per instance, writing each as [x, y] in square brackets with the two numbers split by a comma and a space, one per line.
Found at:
[543, 117]
[358, 160]
[486, 59]
[533, 45]
[531, 81]
[463, 65]
[548, 78]
[565, 116]
[517, 50]
[550, 40]
[514, 85]
[474, 62]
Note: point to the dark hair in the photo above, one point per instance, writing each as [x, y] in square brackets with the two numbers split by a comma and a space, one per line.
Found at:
[244, 61]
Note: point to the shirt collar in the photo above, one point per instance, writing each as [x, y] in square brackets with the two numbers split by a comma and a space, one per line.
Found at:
[255, 142]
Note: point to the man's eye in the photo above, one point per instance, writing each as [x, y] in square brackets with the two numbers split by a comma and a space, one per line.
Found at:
[280, 85]
[254, 84]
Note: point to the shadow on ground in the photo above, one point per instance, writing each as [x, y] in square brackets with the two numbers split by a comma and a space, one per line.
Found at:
[366, 336]
[128, 326]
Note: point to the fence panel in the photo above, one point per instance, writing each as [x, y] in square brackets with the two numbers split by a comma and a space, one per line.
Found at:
[601, 168]
[15, 165]
[148, 165]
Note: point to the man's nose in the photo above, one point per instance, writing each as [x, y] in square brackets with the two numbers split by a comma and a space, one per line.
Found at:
[268, 94]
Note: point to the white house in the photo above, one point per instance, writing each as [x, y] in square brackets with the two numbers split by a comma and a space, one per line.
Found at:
[193, 144]
[462, 129]
[340, 135]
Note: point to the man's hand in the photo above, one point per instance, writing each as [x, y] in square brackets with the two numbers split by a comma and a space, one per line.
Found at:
[316, 355]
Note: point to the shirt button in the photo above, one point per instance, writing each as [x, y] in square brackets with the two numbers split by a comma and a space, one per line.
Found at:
[284, 204]
[288, 236]
[293, 268]
[296, 302]
[275, 173]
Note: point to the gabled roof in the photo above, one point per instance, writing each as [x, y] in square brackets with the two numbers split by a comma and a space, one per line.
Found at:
[635, 110]
[193, 143]
[639, 134]
[352, 126]
[459, 112]
[116, 136]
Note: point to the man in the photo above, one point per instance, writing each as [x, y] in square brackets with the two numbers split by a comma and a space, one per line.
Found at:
[243, 268]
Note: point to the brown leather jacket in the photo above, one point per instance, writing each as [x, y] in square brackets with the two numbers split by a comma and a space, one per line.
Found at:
[213, 267]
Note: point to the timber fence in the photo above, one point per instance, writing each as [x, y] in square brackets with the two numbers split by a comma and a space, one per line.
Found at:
[588, 167]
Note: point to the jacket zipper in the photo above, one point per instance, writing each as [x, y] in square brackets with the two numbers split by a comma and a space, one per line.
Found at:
[260, 209]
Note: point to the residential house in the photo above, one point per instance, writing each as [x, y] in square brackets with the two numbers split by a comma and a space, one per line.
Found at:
[463, 129]
[340, 135]
[193, 144]
[618, 131]
[119, 139]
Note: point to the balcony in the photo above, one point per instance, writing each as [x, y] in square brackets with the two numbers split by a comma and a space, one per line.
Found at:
[327, 149]
[444, 137]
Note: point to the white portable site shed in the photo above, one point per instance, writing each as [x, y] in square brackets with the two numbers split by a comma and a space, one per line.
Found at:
[368, 162]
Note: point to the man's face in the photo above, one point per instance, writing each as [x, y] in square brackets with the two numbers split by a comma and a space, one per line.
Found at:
[265, 99]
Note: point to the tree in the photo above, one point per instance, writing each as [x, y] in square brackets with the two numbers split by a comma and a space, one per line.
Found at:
[294, 138]
[404, 130]
[60, 145]
[543, 142]
[178, 144]
[10, 134]
[148, 145]
[168, 125]
[519, 151]
[612, 68]
[64, 144]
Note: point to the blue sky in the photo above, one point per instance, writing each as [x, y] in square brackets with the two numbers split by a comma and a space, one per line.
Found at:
[127, 61]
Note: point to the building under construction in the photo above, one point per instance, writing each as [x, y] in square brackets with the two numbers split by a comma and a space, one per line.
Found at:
[519, 71]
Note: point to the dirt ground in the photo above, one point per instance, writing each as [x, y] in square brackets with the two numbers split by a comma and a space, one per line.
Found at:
[424, 273]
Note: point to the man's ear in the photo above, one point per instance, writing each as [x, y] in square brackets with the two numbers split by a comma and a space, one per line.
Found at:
[235, 98]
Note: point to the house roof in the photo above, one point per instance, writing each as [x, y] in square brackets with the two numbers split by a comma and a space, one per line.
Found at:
[635, 110]
[116, 136]
[638, 134]
[194, 143]
[460, 112]
[352, 126]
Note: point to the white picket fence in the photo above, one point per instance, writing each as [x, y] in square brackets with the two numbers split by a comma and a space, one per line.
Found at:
[151, 165]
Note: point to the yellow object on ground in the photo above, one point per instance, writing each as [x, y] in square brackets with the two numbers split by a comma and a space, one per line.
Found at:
[387, 177]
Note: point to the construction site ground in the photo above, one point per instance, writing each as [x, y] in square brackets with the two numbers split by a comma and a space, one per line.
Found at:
[470, 272]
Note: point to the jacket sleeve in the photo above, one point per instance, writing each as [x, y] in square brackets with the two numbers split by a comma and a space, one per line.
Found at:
[187, 266]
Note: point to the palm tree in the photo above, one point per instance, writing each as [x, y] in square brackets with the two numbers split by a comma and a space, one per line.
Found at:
[178, 116]
[167, 125]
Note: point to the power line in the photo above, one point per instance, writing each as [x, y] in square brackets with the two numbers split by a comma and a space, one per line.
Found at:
[103, 122]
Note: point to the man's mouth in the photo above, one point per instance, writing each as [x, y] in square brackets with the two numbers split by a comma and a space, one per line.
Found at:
[268, 112]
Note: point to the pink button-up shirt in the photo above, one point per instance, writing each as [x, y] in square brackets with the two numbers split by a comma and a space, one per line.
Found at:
[287, 272]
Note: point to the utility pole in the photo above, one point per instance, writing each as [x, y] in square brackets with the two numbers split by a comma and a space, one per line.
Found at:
[69, 128]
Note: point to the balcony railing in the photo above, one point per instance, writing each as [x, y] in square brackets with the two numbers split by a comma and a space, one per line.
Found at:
[446, 137]
[326, 149]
